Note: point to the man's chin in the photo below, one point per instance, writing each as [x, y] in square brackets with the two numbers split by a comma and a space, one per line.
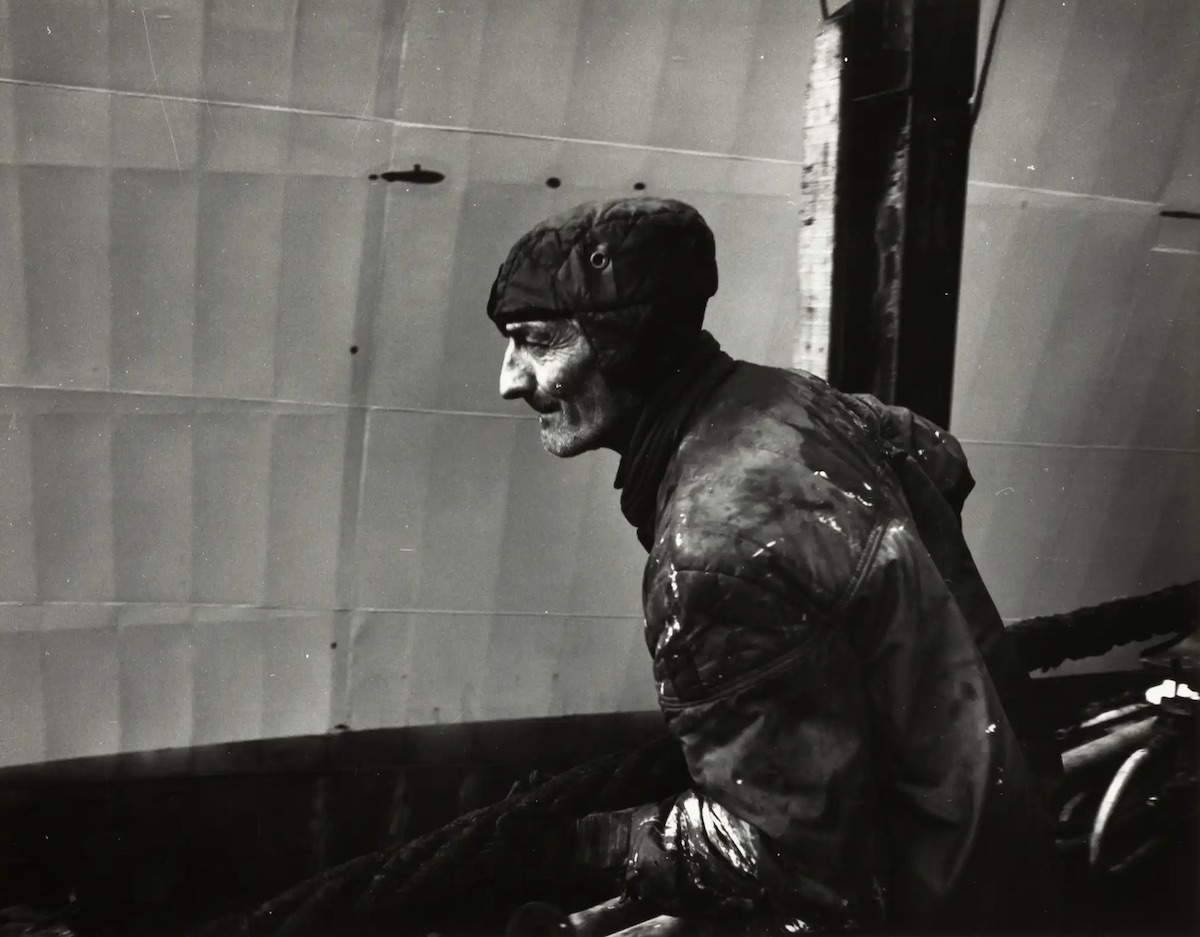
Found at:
[565, 445]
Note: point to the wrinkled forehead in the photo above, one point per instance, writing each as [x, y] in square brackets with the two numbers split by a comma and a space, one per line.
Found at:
[557, 327]
[546, 318]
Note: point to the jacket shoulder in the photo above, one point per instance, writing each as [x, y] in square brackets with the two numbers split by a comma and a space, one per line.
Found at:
[779, 482]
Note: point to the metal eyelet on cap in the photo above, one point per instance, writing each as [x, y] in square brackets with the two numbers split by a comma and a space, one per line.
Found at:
[599, 258]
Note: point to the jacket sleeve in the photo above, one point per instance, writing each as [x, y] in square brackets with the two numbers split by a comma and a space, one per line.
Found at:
[768, 705]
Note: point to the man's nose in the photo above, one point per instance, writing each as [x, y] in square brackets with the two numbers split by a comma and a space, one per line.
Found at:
[515, 379]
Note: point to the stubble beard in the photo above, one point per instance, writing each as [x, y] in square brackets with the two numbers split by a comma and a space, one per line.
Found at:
[561, 439]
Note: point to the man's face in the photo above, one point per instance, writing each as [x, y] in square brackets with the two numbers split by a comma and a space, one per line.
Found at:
[553, 367]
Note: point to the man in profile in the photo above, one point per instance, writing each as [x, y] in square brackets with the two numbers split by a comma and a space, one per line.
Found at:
[854, 717]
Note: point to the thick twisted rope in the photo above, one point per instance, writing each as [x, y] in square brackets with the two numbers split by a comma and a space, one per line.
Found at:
[1049, 640]
[439, 879]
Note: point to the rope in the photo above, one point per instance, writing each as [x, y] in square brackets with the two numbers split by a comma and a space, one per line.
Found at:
[465, 874]
[469, 875]
[1049, 640]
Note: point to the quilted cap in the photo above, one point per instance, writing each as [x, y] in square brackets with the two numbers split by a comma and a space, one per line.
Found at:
[604, 256]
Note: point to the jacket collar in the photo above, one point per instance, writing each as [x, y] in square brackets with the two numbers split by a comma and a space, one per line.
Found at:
[692, 376]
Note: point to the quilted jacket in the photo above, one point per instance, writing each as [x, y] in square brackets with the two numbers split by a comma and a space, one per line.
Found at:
[854, 717]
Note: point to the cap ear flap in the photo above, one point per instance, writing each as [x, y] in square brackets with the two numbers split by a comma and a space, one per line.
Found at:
[493, 299]
[615, 336]
[700, 258]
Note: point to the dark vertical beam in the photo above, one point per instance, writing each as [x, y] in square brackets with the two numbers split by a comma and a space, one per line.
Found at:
[900, 198]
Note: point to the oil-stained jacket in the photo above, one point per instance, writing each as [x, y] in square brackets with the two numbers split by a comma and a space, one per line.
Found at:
[850, 708]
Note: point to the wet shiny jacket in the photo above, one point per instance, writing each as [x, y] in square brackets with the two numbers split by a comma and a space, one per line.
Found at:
[854, 716]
